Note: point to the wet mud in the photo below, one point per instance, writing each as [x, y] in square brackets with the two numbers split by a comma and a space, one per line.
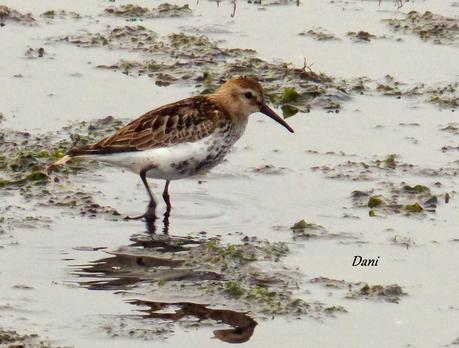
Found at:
[259, 250]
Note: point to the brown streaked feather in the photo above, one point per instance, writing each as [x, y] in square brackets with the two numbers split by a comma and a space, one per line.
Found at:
[187, 120]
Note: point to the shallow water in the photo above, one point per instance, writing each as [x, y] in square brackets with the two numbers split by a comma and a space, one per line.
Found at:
[236, 197]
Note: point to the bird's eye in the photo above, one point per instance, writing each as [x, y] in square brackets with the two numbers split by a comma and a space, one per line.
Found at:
[248, 95]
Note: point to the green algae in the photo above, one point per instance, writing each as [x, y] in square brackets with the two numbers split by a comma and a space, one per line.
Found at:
[361, 36]
[233, 289]
[128, 10]
[13, 339]
[26, 156]
[49, 14]
[388, 293]
[289, 110]
[335, 309]
[249, 276]
[307, 230]
[301, 225]
[289, 94]
[318, 34]
[375, 201]
[391, 198]
[416, 189]
[413, 208]
[196, 60]
[163, 10]
[427, 26]
[361, 290]
[390, 161]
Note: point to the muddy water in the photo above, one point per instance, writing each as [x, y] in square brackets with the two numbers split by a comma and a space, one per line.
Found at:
[271, 180]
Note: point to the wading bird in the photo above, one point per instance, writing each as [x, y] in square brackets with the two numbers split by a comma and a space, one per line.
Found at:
[181, 139]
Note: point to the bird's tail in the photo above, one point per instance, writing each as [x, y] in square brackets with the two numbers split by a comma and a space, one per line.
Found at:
[58, 163]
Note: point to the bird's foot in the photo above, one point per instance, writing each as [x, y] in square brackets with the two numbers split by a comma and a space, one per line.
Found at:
[150, 214]
[147, 216]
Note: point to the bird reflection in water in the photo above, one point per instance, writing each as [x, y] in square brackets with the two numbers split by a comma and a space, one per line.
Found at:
[150, 223]
[243, 325]
[154, 258]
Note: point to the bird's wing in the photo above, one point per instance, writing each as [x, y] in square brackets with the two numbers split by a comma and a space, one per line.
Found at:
[185, 121]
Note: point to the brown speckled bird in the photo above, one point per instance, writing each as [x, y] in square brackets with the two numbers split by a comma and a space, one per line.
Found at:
[181, 139]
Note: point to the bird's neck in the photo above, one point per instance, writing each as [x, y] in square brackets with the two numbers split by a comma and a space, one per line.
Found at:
[231, 105]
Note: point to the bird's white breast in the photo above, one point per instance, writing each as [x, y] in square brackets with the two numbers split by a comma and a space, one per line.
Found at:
[175, 161]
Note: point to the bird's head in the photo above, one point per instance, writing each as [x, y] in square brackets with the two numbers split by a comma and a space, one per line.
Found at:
[243, 96]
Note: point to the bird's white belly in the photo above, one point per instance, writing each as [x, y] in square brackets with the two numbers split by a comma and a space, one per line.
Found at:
[172, 162]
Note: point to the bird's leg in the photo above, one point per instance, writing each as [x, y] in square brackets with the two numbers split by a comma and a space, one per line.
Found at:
[151, 227]
[167, 213]
[166, 222]
[151, 208]
[166, 196]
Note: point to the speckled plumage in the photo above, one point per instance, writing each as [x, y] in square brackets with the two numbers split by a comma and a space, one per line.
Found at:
[181, 139]
[187, 120]
[174, 141]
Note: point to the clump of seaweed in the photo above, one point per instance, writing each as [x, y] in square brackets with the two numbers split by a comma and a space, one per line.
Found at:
[9, 14]
[388, 293]
[444, 95]
[360, 36]
[427, 26]
[319, 34]
[25, 157]
[201, 62]
[12, 338]
[163, 10]
[52, 14]
[303, 229]
[361, 290]
[246, 277]
[397, 199]
[364, 171]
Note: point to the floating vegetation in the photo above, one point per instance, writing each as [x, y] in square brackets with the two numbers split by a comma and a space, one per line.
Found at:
[52, 14]
[273, 2]
[428, 26]
[361, 290]
[360, 36]
[163, 10]
[25, 157]
[416, 189]
[444, 95]
[383, 168]
[388, 293]
[9, 14]
[374, 201]
[201, 62]
[269, 169]
[244, 277]
[198, 61]
[303, 229]
[452, 127]
[364, 171]
[403, 199]
[319, 34]
[413, 208]
[13, 339]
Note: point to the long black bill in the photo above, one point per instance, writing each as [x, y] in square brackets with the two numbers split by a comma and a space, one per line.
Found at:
[270, 113]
